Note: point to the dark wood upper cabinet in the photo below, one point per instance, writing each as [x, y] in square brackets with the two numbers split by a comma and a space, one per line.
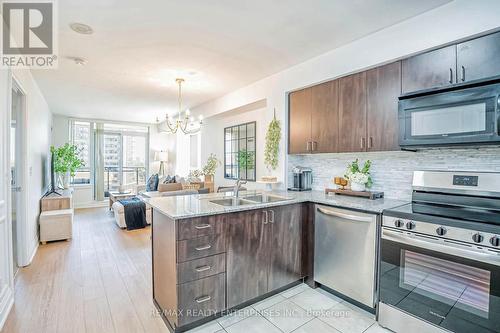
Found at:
[247, 256]
[325, 114]
[286, 246]
[299, 136]
[352, 113]
[383, 87]
[479, 58]
[430, 70]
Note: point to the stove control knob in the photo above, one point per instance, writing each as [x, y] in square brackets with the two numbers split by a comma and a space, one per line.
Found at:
[410, 225]
[441, 231]
[399, 223]
[478, 238]
[495, 241]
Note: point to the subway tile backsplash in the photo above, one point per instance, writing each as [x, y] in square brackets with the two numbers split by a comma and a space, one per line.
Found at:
[392, 171]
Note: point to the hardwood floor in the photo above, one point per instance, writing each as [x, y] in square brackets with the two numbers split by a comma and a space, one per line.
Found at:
[100, 281]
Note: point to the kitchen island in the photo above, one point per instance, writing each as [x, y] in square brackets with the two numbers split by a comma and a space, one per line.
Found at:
[214, 253]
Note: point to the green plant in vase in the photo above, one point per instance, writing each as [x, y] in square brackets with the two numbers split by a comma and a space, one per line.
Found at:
[66, 162]
[210, 167]
[359, 178]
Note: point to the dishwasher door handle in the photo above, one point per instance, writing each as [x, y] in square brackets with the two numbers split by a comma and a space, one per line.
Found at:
[352, 217]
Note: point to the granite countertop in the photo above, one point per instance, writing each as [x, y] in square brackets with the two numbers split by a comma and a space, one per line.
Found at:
[188, 206]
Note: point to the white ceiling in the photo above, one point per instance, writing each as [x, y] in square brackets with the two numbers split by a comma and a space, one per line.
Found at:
[139, 47]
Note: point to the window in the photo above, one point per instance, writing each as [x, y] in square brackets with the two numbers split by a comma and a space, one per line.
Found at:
[125, 155]
[80, 135]
[240, 152]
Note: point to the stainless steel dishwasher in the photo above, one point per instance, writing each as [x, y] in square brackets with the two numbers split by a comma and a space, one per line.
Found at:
[345, 252]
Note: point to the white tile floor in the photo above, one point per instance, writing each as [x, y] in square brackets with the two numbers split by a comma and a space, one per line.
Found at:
[299, 310]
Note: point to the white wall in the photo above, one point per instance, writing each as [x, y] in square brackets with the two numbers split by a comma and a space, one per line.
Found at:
[37, 177]
[160, 141]
[454, 21]
[213, 138]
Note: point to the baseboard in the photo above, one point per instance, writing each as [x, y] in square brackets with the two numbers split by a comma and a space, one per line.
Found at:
[6, 303]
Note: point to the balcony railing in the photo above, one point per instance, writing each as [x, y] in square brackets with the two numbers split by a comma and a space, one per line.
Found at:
[129, 175]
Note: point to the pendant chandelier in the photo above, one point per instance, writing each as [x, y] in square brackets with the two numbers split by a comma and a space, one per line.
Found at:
[185, 122]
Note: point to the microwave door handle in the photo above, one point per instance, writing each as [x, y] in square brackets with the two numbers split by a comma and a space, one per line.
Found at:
[432, 244]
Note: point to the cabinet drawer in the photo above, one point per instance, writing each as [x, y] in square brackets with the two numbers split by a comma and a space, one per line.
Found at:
[201, 268]
[200, 247]
[199, 226]
[201, 298]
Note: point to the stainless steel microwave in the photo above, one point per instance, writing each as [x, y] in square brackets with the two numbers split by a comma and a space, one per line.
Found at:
[459, 116]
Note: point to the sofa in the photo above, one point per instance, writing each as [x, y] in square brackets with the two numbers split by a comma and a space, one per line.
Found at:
[164, 190]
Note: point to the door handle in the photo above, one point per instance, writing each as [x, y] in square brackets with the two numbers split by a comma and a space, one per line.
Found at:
[202, 248]
[351, 217]
[314, 146]
[307, 146]
[203, 299]
[272, 216]
[203, 268]
[463, 73]
[17, 189]
[370, 142]
[202, 226]
[266, 217]
[451, 76]
[362, 143]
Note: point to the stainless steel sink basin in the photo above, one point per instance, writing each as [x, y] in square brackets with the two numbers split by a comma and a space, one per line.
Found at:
[232, 202]
[264, 198]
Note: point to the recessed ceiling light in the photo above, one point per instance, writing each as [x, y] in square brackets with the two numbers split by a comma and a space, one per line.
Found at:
[78, 61]
[81, 28]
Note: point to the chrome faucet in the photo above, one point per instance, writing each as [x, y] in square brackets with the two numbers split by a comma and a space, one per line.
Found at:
[237, 186]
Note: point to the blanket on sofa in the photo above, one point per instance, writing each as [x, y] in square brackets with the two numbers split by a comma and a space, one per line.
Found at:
[134, 211]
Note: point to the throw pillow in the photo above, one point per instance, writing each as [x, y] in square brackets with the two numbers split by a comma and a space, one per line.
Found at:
[169, 179]
[152, 184]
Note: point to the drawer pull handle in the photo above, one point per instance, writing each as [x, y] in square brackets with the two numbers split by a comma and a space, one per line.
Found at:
[203, 299]
[203, 268]
[201, 248]
[202, 226]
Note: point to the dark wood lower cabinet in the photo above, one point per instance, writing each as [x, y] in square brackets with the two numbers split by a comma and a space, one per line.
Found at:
[244, 256]
[286, 246]
[247, 256]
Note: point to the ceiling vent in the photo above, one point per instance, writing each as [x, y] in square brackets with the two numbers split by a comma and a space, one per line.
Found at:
[81, 28]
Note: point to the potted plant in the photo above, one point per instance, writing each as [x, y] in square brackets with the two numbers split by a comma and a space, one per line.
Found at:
[359, 178]
[209, 169]
[66, 162]
[271, 151]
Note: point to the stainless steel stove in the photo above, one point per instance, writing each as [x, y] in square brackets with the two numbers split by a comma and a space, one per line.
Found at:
[440, 256]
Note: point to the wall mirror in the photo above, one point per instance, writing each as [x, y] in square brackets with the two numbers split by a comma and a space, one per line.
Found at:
[240, 151]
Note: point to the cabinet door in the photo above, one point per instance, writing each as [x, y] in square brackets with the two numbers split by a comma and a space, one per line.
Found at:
[246, 257]
[479, 58]
[383, 87]
[286, 246]
[299, 135]
[430, 70]
[352, 113]
[324, 120]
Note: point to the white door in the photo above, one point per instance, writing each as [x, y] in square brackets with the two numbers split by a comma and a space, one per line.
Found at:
[16, 168]
[6, 272]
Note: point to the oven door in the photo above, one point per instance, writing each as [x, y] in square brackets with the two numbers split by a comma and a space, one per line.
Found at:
[455, 117]
[446, 284]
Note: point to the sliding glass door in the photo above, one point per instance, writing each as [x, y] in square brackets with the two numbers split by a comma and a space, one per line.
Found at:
[112, 162]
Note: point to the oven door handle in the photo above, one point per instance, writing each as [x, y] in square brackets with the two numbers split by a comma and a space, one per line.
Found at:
[439, 245]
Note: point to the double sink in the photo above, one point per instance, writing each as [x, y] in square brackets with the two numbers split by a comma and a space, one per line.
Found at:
[249, 200]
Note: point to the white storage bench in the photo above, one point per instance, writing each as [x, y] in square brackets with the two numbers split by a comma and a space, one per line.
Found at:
[56, 225]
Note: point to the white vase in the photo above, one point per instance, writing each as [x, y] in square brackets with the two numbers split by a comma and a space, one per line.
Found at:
[64, 180]
[358, 187]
